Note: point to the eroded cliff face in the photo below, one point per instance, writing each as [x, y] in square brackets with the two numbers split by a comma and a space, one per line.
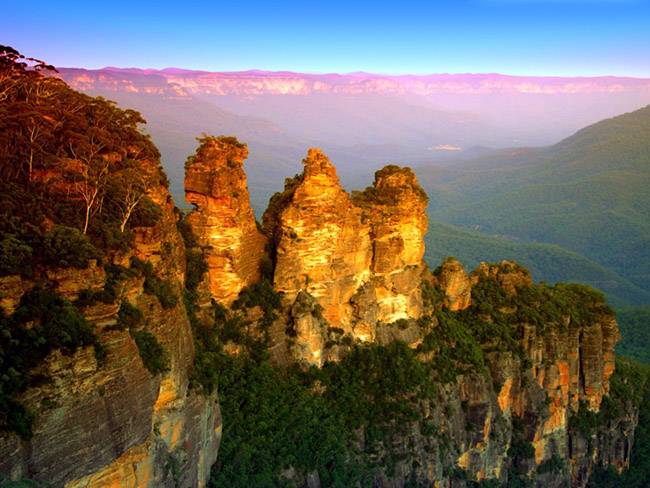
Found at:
[215, 183]
[110, 422]
[360, 258]
[322, 245]
[522, 415]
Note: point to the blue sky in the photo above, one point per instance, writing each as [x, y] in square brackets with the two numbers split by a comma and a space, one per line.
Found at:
[522, 37]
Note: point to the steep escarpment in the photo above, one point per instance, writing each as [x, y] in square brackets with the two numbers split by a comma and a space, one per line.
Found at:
[96, 347]
[215, 183]
[514, 390]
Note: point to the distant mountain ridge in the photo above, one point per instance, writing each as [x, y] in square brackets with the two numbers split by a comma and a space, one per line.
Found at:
[288, 82]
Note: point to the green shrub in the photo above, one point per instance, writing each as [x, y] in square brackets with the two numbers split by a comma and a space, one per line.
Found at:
[153, 285]
[553, 465]
[521, 449]
[106, 234]
[146, 214]
[196, 268]
[128, 317]
[15, 256]
[151, 351]
[163, 290]
[68, 247]
[261, 294]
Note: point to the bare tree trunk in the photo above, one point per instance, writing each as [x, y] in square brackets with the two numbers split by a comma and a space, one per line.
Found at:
[87, 218]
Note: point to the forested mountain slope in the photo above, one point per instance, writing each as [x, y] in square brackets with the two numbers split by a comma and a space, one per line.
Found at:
[587, 194]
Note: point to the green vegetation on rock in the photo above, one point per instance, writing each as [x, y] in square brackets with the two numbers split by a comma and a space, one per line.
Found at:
[547, 262]
[42, 323]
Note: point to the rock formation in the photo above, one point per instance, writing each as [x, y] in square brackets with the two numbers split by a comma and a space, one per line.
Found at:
[215, 183]
[348, 270]
[516, 416]
[360, 257]
[451, 277]
[321, 244]
[112, 422]
[395, 209]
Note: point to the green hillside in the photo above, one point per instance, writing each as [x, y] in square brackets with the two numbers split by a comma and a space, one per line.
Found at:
[634, 324]
[546, 261]
[588, 194]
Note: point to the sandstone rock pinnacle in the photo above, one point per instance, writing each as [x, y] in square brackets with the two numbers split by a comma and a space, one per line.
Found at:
[215, 183]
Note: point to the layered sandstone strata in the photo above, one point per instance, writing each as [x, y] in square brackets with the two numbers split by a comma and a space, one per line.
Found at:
[395, 208]
[322, 245]
[110, 422]
[359, 257]
[223, 220]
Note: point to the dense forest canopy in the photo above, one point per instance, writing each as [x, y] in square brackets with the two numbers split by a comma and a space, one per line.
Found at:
[66, 159]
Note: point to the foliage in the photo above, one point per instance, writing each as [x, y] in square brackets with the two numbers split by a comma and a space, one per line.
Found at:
[261, 294]
[42, 323]
[151, 351]
[586, 194]
[129, 317]
[196, 265]
[70, 166]
[206, 141]
[630, 385]
[74, 176]
[634, 324]
[278, 419]
[389, 194]
[163, 290]
[554, 465]
[22, 483]
[542, 305]
[454, 346]
[153, 285]
[68, 247]
[547, 262]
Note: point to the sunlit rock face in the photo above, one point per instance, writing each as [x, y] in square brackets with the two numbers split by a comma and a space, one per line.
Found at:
[215, 183]
[571, 364]
[322, 244]
[395, 208]
[359, 257]
[453, 279]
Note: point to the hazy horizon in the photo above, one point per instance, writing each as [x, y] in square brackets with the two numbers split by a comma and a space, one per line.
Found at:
[349, 73]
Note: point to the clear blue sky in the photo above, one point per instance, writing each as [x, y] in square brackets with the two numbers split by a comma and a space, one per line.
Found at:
[527, 37]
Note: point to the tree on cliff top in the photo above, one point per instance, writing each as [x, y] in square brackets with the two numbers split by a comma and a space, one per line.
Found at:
[86, 146]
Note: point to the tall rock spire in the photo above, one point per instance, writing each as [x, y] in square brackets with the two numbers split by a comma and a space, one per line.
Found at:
[215, 183]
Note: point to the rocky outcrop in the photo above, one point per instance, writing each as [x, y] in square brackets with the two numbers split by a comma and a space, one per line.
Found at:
[321, 244]
[451, 277]
[215, 183]
[360, 258]
[111, 422]
[522, 415]
[508, 273]
[310, 329]
[395, 208]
